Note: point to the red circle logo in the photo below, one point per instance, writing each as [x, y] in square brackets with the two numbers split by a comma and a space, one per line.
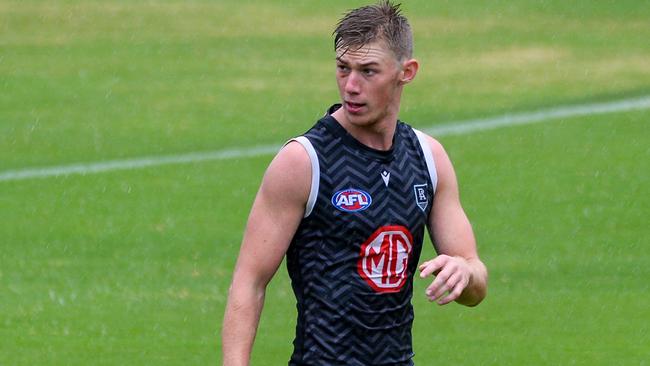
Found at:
[384, 257]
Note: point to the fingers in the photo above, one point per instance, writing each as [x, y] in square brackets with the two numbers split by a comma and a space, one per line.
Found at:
[453, 295]
[433, 266]
[437, 290]
[454, 291]
[445, 281]
[452, 278]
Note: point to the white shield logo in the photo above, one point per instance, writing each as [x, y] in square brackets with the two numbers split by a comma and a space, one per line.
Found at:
[420, 191]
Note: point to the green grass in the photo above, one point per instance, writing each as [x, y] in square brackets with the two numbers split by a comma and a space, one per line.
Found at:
[132, 267]
[560, 218]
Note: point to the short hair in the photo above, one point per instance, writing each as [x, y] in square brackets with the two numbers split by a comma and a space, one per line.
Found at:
[381, 21]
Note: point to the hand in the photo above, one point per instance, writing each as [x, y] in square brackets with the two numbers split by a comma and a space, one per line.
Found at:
[452, 276]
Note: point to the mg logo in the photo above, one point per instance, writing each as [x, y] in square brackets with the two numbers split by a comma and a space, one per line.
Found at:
[384, 258]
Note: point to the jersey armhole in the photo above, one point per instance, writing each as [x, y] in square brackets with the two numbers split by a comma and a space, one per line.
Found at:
[315, 172]
[428, 157]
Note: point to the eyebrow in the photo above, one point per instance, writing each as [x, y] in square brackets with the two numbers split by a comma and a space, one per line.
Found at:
[364, 64]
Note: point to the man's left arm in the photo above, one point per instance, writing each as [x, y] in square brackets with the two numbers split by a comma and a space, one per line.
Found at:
[459, 273]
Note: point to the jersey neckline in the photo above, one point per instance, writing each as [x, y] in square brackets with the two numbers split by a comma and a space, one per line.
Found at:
[333, 125]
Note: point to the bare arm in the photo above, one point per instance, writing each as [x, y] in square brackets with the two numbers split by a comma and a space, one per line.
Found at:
[274, 218]
[458, 269]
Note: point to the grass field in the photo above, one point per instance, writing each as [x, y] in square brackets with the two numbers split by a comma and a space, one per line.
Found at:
[132, 267]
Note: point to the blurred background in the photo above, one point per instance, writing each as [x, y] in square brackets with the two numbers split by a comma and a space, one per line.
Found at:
[131, 264]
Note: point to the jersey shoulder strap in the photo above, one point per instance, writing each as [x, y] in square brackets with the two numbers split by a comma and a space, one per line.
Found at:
[315, 172]
[428, 157]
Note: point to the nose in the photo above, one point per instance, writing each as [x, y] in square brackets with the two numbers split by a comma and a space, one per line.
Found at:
[353, 83]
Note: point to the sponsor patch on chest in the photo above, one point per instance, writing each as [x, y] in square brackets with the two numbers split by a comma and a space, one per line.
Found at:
[383, 261]
[351, 200]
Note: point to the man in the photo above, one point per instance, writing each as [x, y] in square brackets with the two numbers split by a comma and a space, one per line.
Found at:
[348, 203]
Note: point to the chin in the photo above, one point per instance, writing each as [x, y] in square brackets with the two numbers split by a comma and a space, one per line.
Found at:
[358, 120]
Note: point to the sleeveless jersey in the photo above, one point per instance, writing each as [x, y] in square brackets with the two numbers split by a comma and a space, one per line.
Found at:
[354, 254]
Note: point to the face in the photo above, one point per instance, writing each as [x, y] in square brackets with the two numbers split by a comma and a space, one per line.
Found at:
[370, 82]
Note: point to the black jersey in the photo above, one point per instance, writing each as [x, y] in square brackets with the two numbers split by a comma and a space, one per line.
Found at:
[355, 252]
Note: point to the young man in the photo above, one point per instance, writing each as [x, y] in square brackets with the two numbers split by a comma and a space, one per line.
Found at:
[348, 203]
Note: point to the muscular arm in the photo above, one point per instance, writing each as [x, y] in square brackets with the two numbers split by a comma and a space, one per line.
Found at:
[458, 270]
[274, 218]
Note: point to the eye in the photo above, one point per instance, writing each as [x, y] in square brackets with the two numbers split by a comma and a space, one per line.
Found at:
[342, 68]
[369, 72]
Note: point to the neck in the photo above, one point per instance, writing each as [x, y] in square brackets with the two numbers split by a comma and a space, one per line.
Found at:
[377, 135]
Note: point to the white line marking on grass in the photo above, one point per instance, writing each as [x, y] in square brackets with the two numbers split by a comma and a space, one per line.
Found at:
[136, 163]
[545, 115]
[450, 128]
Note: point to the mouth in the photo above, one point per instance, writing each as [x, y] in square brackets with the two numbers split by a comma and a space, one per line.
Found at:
[354, 108]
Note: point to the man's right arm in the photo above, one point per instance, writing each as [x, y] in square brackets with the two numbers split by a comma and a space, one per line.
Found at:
[276, 213]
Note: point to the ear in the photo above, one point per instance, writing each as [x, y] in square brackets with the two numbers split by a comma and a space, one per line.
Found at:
[409, 70]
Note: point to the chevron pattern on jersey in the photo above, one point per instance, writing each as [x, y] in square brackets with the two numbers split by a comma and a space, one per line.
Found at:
[342, 319]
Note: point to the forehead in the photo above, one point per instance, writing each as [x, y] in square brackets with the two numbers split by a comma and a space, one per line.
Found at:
[374, 52]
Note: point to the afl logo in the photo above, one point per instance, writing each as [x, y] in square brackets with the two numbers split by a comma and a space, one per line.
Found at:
[383, 261]
[351, 200]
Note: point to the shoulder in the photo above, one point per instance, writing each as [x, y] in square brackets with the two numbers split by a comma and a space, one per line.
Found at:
[444, 167]
[288, 176]
[293, 155]
[436, 147]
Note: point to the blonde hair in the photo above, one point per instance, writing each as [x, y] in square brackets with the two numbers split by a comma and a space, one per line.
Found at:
[382, 21]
